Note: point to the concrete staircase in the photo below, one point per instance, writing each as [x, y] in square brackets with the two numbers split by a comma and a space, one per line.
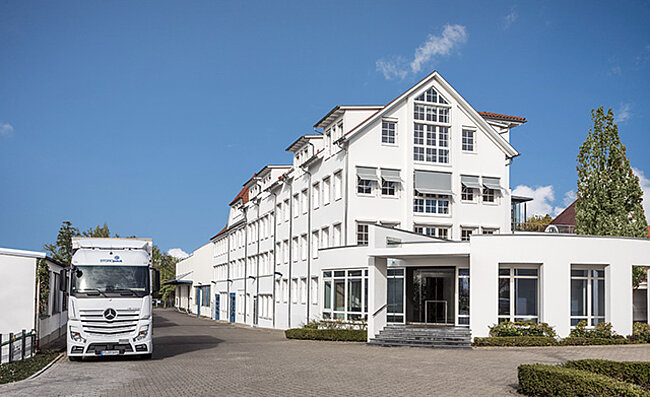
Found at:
[423, 336]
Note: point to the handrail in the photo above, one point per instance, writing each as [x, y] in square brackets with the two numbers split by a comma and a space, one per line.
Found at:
[17, 337]
[380, 309]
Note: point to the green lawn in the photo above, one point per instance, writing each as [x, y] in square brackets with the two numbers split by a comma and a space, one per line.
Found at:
[19, 370]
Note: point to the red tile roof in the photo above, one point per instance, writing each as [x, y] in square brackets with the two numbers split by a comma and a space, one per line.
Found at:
[502, 117]
[220, 233]
[648, 231]
[566, 217]
[243, 194]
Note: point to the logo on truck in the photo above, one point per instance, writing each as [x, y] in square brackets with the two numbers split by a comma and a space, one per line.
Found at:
[115, 259]
[110, 314]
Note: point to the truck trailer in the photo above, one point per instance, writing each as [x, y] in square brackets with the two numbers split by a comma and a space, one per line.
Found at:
[110, 284]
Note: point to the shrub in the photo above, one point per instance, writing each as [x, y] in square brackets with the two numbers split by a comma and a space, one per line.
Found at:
[549, 380]
[522, 328]
[587, 341]
[336, 324]
[641, 332]
[625, 371]
[515, 341]
[349, 335]
[601, 330]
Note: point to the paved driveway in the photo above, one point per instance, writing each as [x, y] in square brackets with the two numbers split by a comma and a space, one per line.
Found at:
[202, 357]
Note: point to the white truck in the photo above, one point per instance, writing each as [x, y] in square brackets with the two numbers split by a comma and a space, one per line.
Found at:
[110, 283]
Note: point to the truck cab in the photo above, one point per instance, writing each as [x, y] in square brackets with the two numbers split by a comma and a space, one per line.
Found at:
[110, 284]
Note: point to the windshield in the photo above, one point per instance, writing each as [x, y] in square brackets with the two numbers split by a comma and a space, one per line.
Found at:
[110, 280]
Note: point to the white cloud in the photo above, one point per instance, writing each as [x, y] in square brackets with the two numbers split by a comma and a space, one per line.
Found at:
[645, 186]
[6, 129]
[452, 36]
[615, 70]
[178, 253]
[510, 18]
[623, 113]
[543, 200]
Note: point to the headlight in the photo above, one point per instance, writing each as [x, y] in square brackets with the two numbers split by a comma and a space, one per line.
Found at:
[75, 335]
[144, 331]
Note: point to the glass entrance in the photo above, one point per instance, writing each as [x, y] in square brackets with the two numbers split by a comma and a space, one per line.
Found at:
[430, 296]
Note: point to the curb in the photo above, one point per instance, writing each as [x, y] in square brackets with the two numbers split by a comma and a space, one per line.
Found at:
[45, 368]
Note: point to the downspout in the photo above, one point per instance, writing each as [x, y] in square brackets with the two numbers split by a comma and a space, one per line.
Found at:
[228, 235]
[245, 261]
[290, 251]
[309, 233]
[275, 248]
[257, 275]
[343, 146]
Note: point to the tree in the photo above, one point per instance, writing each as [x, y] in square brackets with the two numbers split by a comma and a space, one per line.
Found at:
[538, 223]
[609, 195]
[166, 264]
[61, 250]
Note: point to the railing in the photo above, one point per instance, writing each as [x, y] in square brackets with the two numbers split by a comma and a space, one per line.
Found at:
[542, 227]
[17, 346]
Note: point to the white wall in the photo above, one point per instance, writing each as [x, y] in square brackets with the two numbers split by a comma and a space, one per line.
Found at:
[199, 263]
[18, 293]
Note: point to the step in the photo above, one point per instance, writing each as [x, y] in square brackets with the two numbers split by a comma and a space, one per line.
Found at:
[428, 346]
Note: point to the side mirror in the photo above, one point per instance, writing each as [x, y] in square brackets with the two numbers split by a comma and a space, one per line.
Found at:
[63, 280]
[156, 280]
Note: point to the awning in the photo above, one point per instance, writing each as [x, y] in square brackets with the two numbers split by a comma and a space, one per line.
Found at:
[177, 280]
[431, 182]
[367, 173]
[492, 183]
[470, 182]
[390, 175]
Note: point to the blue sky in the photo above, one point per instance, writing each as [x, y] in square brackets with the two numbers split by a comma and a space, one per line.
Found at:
[150, 115]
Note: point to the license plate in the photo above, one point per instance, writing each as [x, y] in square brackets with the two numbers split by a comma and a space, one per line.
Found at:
[109, 352]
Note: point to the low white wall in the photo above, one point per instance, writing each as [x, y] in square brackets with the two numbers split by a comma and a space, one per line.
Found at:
[18, 294]
[554, 254]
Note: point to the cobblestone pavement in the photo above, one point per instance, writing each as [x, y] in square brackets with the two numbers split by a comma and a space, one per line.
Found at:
[195, 357]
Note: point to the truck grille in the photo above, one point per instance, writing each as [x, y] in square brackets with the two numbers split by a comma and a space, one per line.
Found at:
[94, 323]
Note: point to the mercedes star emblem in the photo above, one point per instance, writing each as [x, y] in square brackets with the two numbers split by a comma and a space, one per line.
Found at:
[110, 314]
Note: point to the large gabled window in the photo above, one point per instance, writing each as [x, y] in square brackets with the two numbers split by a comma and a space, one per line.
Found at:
[431, 96]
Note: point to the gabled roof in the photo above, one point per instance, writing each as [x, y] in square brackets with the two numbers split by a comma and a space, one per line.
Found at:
[566, 217]
[301, 141]
[503, 144]
[222, 231]
[502, 117]
[243, 195]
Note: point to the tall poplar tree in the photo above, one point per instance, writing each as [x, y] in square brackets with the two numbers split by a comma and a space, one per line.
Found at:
[609, 195]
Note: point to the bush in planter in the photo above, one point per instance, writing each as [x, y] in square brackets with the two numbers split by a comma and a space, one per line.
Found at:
[625, 371]
[549, 380]
[590, 341]
[601, 330]
[522, 328]
[512, 341]
[341, 335]
[641, 332]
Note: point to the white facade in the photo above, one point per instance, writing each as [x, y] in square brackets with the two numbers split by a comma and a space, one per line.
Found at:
[426, 163]
[20, 296]
[193, 287]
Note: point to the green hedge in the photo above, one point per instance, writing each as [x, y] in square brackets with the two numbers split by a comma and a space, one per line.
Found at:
[522, 328]
[516, 341]
[625, 371]
[348, 335]
[549, 380]
[586, 341]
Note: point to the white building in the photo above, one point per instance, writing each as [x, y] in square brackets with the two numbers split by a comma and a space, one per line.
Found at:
[389, 212]
[20, 295]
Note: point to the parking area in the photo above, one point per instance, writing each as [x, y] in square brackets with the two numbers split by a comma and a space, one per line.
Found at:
[195, 356]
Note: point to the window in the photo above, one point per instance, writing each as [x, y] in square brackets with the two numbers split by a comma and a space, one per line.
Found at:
[315, 195]
[467, 193]
[466, 232]
[55, 293]
[278, 253]
[433, 231]
[286, 210]
[388, 132]
[431, 143]
[205, 296]
[362, 234]
[395, 296]
[336, 235]
[303, 290]
[314, 290]
[338, 185]
[431, 96]
[294, 249]
[463, 296]
[285, 252]
[326, 190]
[285, 290]
[587, 295]
[314, 244]
[490, 230]
[488, 195]
[277, 291]
[304, 198]
[296, 205]
[387, 188]
[325, 237]
[304, 248]
[294, 290]
[518, 297]
[468, 140]
[364, 186]
[345, 294]
[430, 203]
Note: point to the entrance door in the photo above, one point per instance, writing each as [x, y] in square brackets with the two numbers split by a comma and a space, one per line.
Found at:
[232, 307]
[433, 293]
[217, 307]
